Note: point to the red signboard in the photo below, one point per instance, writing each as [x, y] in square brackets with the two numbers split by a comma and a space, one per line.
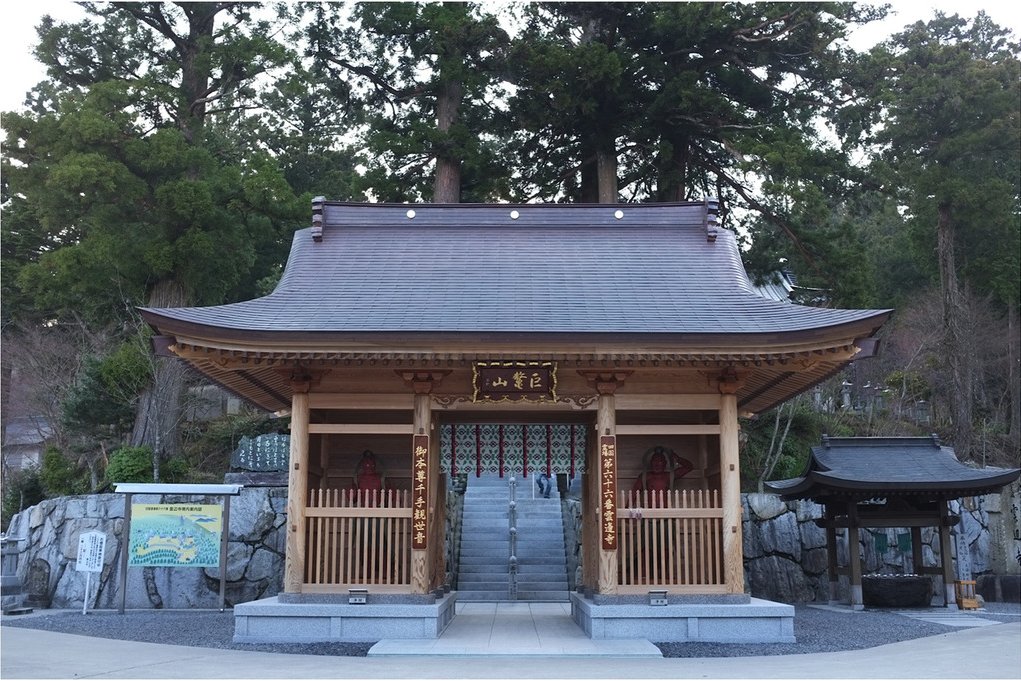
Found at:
[420, 492]
[608, 491]
[497, 381]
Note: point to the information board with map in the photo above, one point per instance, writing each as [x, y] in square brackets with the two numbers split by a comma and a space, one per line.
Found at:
[175, 535]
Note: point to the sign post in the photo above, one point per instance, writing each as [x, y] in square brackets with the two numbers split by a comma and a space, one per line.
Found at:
[91, 551]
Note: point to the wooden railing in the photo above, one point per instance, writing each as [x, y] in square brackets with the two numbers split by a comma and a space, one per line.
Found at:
[670, 540]
[358, 538]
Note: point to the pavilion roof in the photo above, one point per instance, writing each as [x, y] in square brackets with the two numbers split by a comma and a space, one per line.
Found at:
[615, 283]
[864, 467]
[555, 269]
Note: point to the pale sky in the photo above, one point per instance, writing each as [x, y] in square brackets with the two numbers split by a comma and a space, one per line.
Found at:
[21, 72]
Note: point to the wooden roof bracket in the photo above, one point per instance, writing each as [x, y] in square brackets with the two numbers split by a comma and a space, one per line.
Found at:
[712, 208]
[317, 218]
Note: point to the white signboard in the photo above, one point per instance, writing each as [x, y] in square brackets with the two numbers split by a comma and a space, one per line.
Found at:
[91, 547]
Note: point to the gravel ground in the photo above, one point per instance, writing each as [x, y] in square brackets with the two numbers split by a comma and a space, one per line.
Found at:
[816, 630]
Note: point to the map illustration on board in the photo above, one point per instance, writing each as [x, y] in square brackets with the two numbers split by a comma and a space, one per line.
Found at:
[175, 535]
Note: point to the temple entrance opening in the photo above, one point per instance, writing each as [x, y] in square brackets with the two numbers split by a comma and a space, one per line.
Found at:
[516, 534]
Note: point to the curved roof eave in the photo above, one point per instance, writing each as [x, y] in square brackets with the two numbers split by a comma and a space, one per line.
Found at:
[170, 322]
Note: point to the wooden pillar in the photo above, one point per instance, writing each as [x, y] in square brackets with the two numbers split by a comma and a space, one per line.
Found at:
[605, 384]
[831, 555]
[422, 383]
[946, 556]
[420, 577]
[297, 491]
[917, 560]
[854, 555]
[606, 425]
[730, 481]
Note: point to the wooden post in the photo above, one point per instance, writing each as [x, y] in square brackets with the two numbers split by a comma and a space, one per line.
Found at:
[324, 461]
[917, 562]
[297, 493]
[420, 577]
[606, 424]
[946, 556]
[224, 538]
[730, 481]
[831, 555]
[125, 549]
[854, 555]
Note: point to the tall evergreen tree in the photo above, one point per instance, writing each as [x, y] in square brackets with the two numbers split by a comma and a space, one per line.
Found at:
[425, 73]
[123, 187]
[944, 105]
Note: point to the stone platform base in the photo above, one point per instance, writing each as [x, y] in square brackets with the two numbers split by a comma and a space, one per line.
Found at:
[272, 621]
[756, 621]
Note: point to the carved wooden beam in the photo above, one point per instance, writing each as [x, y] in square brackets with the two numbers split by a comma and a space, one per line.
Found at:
[423, 381]
[302, 378]
[605, 381]
[729, 380]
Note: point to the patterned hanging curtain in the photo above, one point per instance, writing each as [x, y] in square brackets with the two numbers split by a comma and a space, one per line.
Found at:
[467, 447]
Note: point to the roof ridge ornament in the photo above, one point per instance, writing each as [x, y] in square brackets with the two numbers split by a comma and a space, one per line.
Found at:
[712, 207]
[935, 440]
[317, 218]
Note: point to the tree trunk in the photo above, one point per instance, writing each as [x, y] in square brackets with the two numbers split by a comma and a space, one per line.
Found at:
[447, 184]
[195, 69]
[1013, 379]
[672, 169]
[159, 408]
[955, 334]
[606, 170]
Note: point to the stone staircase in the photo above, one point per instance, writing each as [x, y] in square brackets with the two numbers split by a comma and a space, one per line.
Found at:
[484, 572]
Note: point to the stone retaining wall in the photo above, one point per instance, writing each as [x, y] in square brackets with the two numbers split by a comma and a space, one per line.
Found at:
[785, 552]
[46, 565]
[785, 555]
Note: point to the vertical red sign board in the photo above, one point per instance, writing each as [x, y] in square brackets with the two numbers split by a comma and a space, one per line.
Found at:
[420, 492]
[608, 490]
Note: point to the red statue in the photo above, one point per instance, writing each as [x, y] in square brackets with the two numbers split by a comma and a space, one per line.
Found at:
[664, 468]
[368, 481]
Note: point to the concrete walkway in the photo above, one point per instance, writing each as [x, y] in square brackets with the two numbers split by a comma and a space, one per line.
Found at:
[532, 629]
[992, 652]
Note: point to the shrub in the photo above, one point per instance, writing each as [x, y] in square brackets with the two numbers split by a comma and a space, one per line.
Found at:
[60, 476]
[130, 464]
[21, 489]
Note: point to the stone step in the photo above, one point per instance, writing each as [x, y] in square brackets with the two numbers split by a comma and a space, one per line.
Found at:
[474, 566]
[543, 596]
[485, 546]
[463, 596]
[465, 585]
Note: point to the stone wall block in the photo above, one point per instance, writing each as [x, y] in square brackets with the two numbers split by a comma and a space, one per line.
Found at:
[276, 539]
[278, 499]
[263, 565]
[813, 561]
[184, 587]
[751, 540]
[779, 579]
[37, 514]
[812, 536]
[981, 552]
[766, 506]
[781, 536]
[238, 555]
[806, 510]
[251, 514]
